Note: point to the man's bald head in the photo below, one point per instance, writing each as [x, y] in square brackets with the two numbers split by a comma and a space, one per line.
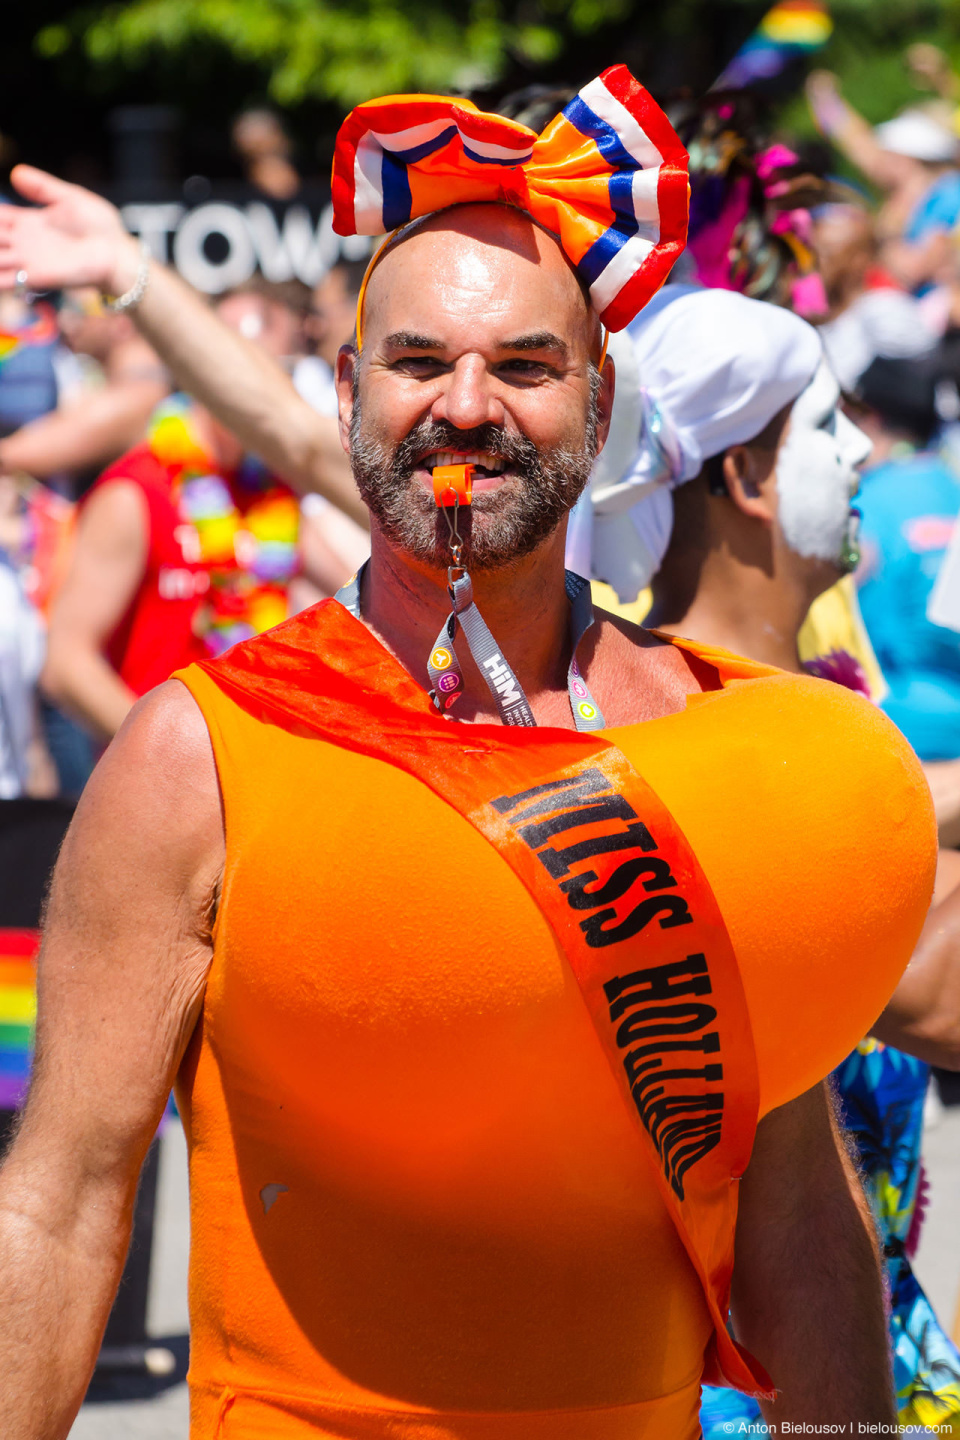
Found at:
[486, 261]
[479, 345]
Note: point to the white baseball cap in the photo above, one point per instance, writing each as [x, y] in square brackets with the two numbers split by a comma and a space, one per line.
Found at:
[916, 134]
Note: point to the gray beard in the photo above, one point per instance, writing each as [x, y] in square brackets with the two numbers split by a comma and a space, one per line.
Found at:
[500, 526]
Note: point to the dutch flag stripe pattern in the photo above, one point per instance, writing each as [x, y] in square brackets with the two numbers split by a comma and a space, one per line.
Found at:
[608, 177]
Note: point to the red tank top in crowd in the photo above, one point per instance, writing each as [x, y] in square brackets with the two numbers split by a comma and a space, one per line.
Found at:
[221, 551]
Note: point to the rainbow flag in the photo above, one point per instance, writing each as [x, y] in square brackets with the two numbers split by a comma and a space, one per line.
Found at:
[790, 29]
[42, 328]
[18, 1011]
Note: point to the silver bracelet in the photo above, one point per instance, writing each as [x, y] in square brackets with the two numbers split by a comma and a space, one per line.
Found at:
[132, 297]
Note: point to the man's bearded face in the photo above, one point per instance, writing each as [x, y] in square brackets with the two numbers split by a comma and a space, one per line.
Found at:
[540, 487]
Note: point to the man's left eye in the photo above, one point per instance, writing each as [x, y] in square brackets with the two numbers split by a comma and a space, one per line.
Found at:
[524, 367]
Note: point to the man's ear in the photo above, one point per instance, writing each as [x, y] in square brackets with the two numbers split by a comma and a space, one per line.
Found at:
[748, 474]
[608, 385]
[347, 362]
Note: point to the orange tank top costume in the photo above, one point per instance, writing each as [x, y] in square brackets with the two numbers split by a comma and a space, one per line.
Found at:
[421, 1206]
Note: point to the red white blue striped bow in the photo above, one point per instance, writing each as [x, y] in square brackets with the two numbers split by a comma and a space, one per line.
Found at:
[608, 177]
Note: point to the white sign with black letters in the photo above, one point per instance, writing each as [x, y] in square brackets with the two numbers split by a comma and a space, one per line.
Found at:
[283, 243]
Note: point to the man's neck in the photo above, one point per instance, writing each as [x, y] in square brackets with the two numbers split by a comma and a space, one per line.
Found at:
[524, 605]
[738, 607]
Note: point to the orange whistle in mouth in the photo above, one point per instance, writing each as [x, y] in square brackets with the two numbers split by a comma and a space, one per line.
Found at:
[452, 483]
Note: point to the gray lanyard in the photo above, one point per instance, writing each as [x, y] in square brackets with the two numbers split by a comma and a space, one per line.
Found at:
[444, 668]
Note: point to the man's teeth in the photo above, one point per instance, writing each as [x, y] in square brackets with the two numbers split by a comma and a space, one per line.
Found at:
[482, 458]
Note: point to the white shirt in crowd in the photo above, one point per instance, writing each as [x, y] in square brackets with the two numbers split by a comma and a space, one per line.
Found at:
[22, 645]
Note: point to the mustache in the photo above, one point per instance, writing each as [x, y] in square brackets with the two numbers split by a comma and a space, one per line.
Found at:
[430, 435]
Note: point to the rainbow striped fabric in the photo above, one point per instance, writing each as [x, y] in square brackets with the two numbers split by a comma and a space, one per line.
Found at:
[608, 177]
[41, 328]
[18, 1009]
[789, 29]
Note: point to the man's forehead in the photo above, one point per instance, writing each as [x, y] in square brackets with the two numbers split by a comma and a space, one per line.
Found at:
[489, 256]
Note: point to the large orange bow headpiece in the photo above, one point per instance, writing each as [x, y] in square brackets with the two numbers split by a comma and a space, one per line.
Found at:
[608, 177]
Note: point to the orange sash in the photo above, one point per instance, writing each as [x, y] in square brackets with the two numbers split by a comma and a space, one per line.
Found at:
[612, 874]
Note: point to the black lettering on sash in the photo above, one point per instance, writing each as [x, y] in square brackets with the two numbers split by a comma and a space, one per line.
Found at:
[635, 1062]
[683, 1159]
[558, 862]
[660, 982]
[687, 1140]
[659, 1011]
[654, 1074]
[559, 793]
[673, 907]
[686, 1114]
[664, 1020]
[613, 807]
[580, 898]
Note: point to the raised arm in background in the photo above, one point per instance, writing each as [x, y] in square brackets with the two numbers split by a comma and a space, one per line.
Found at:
[86, 435]
[107, 564]
[852, 134]
[78, 238]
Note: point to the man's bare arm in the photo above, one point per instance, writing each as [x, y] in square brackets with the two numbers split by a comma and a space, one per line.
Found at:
[923, 1017]
[106, 567]
[851, 133]
[124, 962]
[91, 433]
[943, 777]
[808, 1293]
[77, 238]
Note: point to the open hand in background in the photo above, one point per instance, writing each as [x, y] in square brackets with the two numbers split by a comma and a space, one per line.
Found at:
[73, 237]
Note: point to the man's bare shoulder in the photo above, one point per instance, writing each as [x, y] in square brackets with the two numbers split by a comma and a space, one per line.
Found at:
[636, 675]
[127, 939]
[117, 501]
[166, 729]
[155, 789]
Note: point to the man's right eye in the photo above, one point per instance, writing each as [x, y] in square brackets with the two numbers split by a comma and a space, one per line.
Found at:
[417, 364]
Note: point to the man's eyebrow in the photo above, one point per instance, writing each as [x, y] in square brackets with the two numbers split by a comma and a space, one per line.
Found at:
[409, 340]
[537, 340]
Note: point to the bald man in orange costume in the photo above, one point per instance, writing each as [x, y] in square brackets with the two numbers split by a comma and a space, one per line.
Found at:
[498, 1044]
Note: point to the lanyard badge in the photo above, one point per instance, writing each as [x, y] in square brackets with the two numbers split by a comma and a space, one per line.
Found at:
[452, 489]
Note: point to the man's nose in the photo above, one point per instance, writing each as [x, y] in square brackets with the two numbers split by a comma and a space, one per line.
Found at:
[467, 398]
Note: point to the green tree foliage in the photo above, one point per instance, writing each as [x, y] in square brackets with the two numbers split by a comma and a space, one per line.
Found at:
[339, 50]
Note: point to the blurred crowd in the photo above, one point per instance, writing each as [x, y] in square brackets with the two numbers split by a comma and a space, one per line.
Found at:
[135, 534]
[103, 594]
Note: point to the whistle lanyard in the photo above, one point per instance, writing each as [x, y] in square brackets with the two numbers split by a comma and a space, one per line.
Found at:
[445, 671]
